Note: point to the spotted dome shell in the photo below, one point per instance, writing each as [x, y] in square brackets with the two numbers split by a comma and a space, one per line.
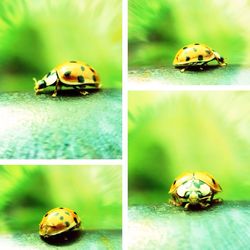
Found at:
[77, 73]
[58, 220]
[203, 176]
[192, 54]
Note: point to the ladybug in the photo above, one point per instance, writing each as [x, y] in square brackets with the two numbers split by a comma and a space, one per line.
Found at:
[196, 54]
[57, 221]
[195, 189]
[74, 74]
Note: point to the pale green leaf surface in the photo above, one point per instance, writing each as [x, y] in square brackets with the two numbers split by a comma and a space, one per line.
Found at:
[163, 226]
[66, 127]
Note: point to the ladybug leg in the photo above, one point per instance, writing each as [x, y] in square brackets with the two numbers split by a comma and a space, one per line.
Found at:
[187, 206]
[217, 201]
[38, 91]
[203, 65]
[186, 67]
[82, 91]
[175, 202]
[204, 205]
[58, 87]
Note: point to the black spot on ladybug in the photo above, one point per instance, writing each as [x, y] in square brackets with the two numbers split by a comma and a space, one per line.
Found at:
[196, 44]
[174, 181]
[194, 49]
[67, 213]
[80, 79]
[73, 61]
[61, 218]
[48, 74]
[213, 181]
[94, 78]
[185, 47]
[75, 219]
[92, 70]
[46, 215]
[61, 208]
[75, 213]
[82, 68]
[66, 223]
[200, 57]
[67, 74]
[208, 51]
[187, 58]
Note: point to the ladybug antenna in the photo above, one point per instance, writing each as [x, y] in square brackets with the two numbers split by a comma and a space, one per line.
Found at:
[34, 79]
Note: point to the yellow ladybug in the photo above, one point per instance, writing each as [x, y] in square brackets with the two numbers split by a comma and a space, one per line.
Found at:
[196, 54]
[74, 74]
[57, 221]
[195, 189]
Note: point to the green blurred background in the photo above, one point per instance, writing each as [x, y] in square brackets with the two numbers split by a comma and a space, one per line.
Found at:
[28, 192]
[175, 132]
[37, 35]
[159, 28]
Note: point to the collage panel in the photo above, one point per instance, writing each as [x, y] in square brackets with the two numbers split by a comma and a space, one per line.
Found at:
[124, 124]
[49, 207]
[61, 79]
[188, 173]
[188, 43]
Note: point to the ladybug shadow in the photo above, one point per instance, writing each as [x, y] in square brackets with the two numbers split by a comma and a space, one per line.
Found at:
[198, 208]
[201, 68]
[64, 239]
[71, 93]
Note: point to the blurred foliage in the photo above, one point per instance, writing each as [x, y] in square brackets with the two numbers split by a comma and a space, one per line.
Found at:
[175, 132]
[28, 192]
[159, 28]
[36, 36]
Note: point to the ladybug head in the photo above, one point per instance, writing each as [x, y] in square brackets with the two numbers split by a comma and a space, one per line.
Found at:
[219, 58]
[222, 61]
[41, 84]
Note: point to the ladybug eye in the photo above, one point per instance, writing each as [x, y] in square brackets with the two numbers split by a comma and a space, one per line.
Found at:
[199, 194]
[41, 84]
[187, 194]
[221, 59]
